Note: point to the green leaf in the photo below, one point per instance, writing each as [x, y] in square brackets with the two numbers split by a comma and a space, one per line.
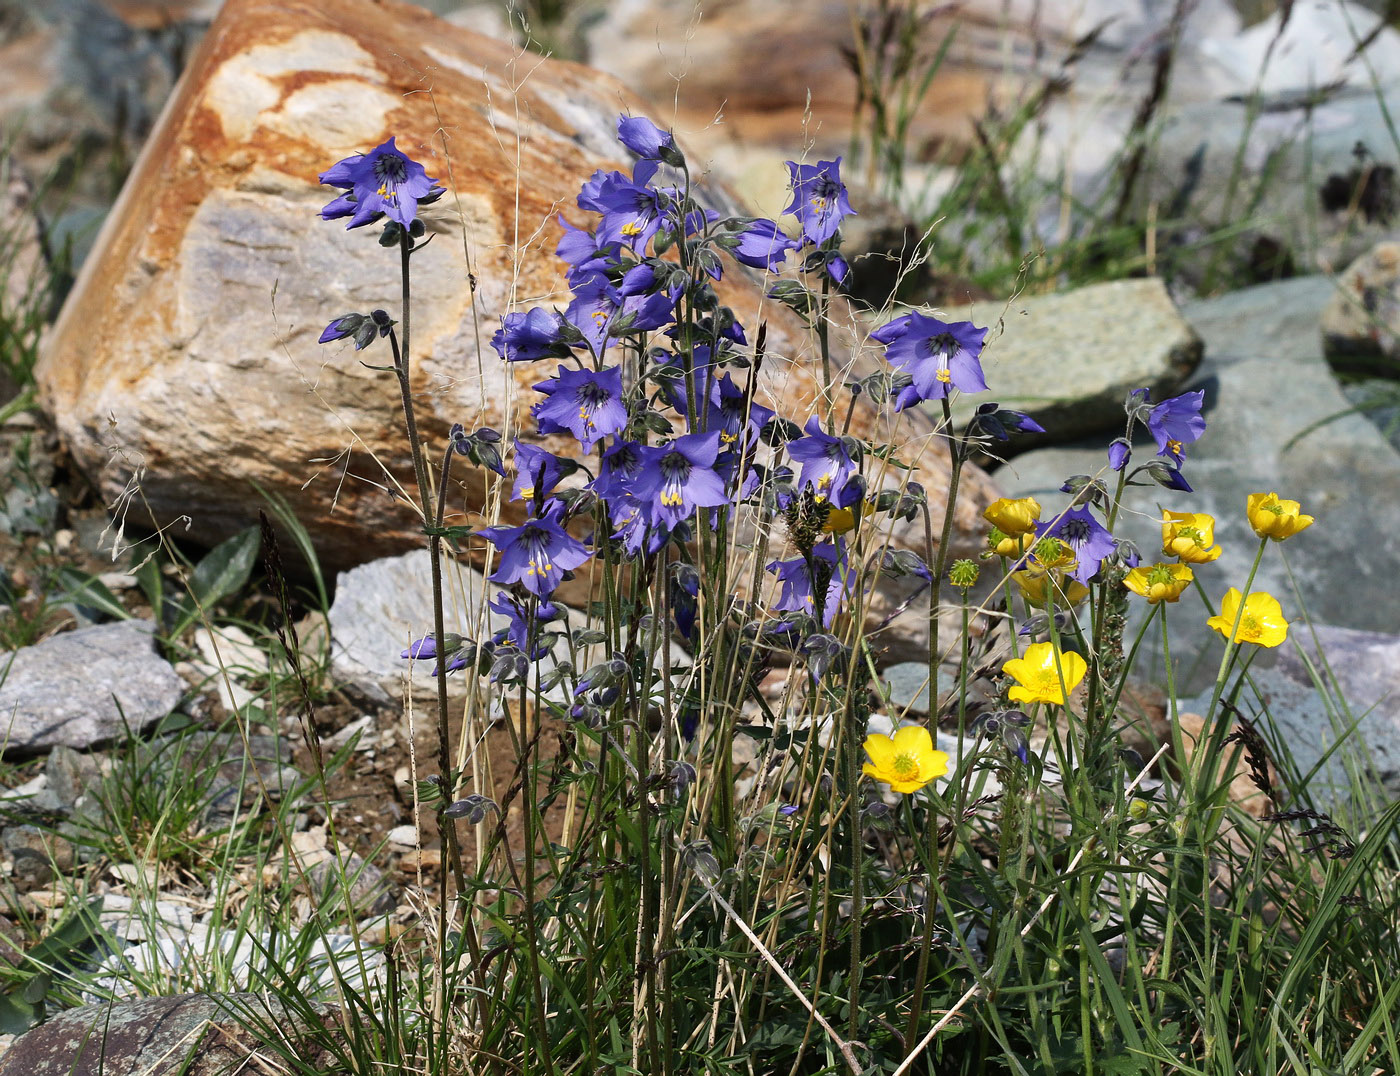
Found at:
[89, 591]
[16, 1015]
[223, 571]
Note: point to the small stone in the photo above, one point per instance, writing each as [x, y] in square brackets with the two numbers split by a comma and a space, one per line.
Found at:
[39, 855]
[403, 836]
[87, 686]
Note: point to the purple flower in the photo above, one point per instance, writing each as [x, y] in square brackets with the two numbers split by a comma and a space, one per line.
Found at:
[1177, 422]
[425, 649]
[537, 472]
[818, 199]
[599, 311]
[618, 473]
[795, 576]
[362, 327]
[536, 554]
[1000, 423]
[631, 209]
[645, 139]
[760, 245]
[681, 477]
[587, 403]
[582, 252]
[380, 181]
[517, 631]
[535, 334]
[1086, 536]
[827, 465]
[1119, 453]
[937, 355]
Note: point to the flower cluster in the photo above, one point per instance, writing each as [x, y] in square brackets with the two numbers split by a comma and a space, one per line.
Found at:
[654, 382]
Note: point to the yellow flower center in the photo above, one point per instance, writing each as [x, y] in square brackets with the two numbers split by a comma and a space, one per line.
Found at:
[944, 376]
[818, 203]
[1047, 682]
[1174, 447]
[906, 767]
[1276, 509]
[1250, 629]
[599, 317]
[631, 229]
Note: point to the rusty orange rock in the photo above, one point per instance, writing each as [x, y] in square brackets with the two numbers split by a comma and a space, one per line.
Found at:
[184, 370]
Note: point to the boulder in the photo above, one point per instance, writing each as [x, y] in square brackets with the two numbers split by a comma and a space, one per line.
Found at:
[85, 687]
[186, 360]
[1070, 360]
[189, 1034]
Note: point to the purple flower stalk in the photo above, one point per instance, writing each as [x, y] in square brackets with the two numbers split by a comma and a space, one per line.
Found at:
[818, 199]
[587, 403]
[937, 355]
[384, 180]
[536, 554]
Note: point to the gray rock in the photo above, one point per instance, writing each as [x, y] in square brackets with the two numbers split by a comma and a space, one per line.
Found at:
[1069, 360]
[190, 1034]
[1276, 422]
[908, 683]
[38, 854]
[86, 687]
[380, 607]
[1361, 674]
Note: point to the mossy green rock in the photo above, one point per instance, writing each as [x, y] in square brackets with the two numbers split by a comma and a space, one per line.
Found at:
[1070, 360]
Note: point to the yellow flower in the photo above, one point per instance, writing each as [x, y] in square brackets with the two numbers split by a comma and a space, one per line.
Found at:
[1159, 583]
[1039, 671]
[1262, 622]
[1276, 519]
[1035, 585]
[1189, 536]
[841, 520]
[1013, 516]
[907, 761]
[1009, 545]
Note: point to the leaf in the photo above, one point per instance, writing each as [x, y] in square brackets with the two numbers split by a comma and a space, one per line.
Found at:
[225, 568]
[16, 1015]
[88, 590]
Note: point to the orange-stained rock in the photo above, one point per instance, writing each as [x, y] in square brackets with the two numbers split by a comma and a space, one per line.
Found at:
[185, 362]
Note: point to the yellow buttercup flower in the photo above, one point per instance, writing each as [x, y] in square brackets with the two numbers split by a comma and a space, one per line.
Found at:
[841, 520]
[1262, 622]
[1009, 545]
[1013, 516]
[1039, 671]
[1274, 518]
[1159, 582]
[907, 760]
[1189, 536]
[1036, 584]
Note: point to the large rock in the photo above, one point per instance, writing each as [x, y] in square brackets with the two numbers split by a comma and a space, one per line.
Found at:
[85, 687]
[189, 1034]
[186, 357]
[1276, 421]
[1070, 360]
